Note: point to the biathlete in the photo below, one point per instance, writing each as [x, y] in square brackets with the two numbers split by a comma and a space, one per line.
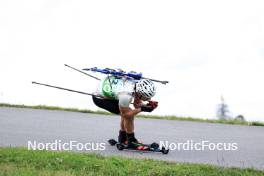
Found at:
[119, 93]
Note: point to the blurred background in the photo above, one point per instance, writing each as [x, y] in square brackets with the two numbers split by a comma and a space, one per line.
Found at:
[212, 52]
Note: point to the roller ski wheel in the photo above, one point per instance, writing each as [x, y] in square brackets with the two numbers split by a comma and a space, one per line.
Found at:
[164, 151]
[154, 145]
[112, 142]
[120, 146]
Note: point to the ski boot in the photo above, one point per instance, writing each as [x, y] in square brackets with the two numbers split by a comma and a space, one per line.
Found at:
[122, 137]
[133, 143]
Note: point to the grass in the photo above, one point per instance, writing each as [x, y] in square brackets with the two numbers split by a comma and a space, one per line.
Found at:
[232, 121]
[19, 161]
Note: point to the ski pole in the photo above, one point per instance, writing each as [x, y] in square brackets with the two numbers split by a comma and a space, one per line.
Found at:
[82, 72]
[56, 87]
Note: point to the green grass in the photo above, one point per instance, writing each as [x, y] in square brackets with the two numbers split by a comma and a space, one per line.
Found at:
[233, 122]
[19, 161]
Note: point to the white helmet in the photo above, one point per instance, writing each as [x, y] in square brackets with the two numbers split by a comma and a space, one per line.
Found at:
[146, 89]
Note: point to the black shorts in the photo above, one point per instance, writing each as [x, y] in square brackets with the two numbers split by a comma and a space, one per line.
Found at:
[107, 104]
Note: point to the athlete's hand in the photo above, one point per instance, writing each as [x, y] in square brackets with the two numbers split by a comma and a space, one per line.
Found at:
[153, 104]
[149, 107]
[146, 108]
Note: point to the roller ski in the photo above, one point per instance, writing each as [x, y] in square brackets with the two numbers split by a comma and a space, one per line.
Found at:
[154, 147]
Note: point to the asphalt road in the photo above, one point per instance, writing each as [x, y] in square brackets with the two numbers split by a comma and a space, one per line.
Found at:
[18, 126]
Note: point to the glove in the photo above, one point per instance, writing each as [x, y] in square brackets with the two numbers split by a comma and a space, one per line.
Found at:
[153, 104]
[149, 107]
[146, 108]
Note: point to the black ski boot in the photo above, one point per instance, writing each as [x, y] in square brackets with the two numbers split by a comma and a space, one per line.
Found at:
[122, 137]
[132, 141]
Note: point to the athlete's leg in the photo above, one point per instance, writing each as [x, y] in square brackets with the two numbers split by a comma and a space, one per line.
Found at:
[128, 114]
[126, 128]
[122, 124]
[129, 124]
